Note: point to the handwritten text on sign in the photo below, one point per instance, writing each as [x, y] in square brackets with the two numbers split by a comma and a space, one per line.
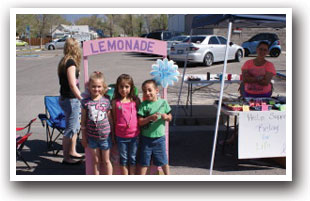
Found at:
[125, 44]
[262, 134]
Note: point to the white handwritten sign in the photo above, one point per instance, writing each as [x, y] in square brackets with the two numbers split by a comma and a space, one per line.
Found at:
[262, 134]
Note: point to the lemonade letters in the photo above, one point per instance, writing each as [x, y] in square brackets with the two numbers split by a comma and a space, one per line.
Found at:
[118, 45]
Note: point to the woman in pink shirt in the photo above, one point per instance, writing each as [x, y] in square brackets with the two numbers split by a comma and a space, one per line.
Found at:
[124, 111]
[257, 74]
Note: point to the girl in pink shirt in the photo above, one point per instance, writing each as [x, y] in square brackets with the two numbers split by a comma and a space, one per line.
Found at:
[124, 111]
[257, 74]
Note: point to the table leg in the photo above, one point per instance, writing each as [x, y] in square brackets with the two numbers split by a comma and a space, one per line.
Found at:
[227, 133]
[188, 96]
[191, 98]
[235, 127]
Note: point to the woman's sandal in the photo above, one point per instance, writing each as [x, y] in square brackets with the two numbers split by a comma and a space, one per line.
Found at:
[71, 163]
[77, 157]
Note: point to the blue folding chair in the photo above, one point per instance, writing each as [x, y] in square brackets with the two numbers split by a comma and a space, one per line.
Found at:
[53, 120]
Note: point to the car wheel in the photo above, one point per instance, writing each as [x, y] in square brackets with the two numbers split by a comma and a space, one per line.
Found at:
[51, 47]
[246, 52]
[208, 60]
[275, 52]
[238, 56]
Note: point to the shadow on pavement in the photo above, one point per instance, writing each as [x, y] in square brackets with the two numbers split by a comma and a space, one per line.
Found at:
[194, 149]
[189, 149]
[46, 163]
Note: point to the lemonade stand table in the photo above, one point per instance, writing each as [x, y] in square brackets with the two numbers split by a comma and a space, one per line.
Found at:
[203, 83]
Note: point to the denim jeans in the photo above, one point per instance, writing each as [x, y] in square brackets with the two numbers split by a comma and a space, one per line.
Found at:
[153, 148]
[127, 148]
[71, 108]
[102, 144]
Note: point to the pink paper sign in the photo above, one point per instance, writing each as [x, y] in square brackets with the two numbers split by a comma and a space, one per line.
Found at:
[125, 44]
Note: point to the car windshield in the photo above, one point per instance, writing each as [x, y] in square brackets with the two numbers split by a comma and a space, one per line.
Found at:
[194, 39]
[167, 35]
[178, 38]
[155, 35]
[273, 37]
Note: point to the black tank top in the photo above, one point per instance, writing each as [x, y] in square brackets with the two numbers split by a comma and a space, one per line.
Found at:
[65, 90]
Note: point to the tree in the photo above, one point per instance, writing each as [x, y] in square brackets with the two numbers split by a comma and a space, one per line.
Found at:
[160, 22]
[111, 25]
[40, 24]
[45, 23]
[138, 22]
[126, 24]
[148, 22]
[22, 21]
[93, 21]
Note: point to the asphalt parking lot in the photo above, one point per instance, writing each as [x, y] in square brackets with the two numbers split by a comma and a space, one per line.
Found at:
[36, 77]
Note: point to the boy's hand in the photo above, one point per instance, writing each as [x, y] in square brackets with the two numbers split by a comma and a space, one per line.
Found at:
[166, 117]
[153, 117]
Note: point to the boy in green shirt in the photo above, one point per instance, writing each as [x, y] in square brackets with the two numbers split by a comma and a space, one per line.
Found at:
[152, 114]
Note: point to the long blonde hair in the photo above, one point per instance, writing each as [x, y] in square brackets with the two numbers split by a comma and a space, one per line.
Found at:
[72, 51]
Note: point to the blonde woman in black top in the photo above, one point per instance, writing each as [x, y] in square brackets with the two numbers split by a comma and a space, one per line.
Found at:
[70, 96]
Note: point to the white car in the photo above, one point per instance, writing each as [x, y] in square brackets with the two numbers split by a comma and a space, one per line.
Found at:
[175, 40]
[56, 44]
[205, 49]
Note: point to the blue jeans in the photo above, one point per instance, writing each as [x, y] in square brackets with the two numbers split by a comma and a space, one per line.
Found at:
[153, 148]
[127, 148]
[102, 144]
[71, 108]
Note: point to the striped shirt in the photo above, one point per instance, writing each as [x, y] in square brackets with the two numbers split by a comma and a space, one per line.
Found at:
[97, 122]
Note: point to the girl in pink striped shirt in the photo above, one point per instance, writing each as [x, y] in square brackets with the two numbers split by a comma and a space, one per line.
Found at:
[95, 124]
[126, 129]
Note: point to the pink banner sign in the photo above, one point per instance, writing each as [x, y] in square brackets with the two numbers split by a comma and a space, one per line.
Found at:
[125, 44]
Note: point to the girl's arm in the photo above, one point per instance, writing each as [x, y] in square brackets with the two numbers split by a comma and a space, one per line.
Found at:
[113, 111]
[113, 118]
[110, 118]
[83, 128]
[72, 82]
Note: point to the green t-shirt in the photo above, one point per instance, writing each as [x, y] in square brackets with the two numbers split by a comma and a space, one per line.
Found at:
[157, 128]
